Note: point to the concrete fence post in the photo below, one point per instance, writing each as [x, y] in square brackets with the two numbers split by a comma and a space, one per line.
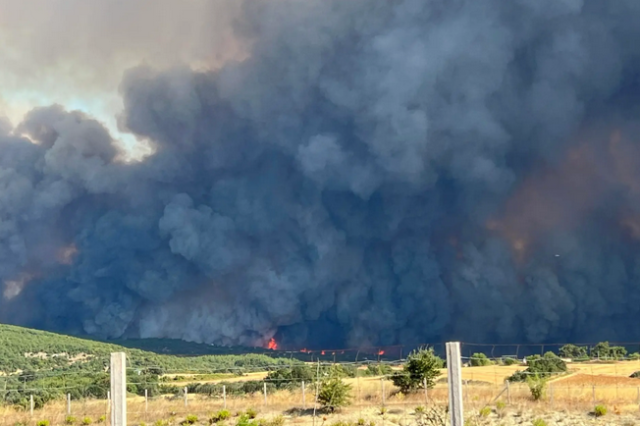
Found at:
[31, 405]
[224, 397]
[426, 391]
[146, 400]
[186, 396]
[118, 393]
[68, 404]
[304, 399]
[265, 393]
[456, 409]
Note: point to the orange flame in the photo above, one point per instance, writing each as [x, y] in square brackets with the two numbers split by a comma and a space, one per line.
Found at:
[322, 353]
[380, 352]
[272, 344]
[304, 350]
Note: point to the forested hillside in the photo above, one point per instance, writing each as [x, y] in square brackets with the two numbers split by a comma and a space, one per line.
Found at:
[26, 349]
[48, 365]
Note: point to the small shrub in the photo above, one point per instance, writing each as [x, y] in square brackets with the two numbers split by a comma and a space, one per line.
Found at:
[509, 361]
[102, 419]
[484, 412]
[334, 393]
[70, 420]
[537, 387]
[43, 423]
[143, 424]
[500, 405]
[383, 411]
[244, 420]
[251, 413]
[189, 420]
[86, 421]
[361, 422]
[479, 359]
[422, 365]
[419, 410]
[539, 422]
[599, 410]
[220, 416]
[372, 423]
[161, 423]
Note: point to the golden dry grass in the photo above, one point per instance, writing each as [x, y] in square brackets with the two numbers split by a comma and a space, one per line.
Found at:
[578, 391]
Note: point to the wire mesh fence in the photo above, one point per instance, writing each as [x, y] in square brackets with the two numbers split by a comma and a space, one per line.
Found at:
[157, 393]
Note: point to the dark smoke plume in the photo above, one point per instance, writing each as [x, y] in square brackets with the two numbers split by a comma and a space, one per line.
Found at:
[373, 172]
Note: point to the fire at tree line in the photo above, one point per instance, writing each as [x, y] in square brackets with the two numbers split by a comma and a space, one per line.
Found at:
[49, 377]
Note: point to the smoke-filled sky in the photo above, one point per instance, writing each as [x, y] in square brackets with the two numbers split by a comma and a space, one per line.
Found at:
[334, 172]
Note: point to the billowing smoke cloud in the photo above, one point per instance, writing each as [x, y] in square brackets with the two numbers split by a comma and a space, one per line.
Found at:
[370, 172]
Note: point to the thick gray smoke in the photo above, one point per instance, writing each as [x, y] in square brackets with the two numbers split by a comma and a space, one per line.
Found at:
[373, 172]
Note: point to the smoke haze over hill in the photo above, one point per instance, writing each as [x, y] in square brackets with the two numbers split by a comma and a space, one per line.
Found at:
[346, 173]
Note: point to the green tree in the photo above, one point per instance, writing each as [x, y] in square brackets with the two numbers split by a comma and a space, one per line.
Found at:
[479, 360]
[573, 351]
[334, 393]
[601, 350]
[540, 366]
[422, 365]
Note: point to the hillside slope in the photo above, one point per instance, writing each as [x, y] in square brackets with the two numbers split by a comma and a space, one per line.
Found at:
[27, 349]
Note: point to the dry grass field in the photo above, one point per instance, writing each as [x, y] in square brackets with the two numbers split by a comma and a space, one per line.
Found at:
[576, 392]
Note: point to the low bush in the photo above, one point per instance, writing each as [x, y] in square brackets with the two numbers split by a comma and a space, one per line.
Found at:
[510, 361]
[484, 412]
[599, 410]
[539, 422]
[219, 416]
[537, 387]
[86, 421]
[43, 423]
[251, 413]
[189, 420]
[70, 420]
[479, 360]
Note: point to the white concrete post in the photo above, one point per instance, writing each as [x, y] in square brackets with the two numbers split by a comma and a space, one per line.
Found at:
[31, 405]
[304, 400]
[265, 393]
[382, 390]
[68, 404]
[455, 384]
[186, 396]
[426, 391]
[146, 401]
[224, 397]
[118, 393]
[108, 395]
